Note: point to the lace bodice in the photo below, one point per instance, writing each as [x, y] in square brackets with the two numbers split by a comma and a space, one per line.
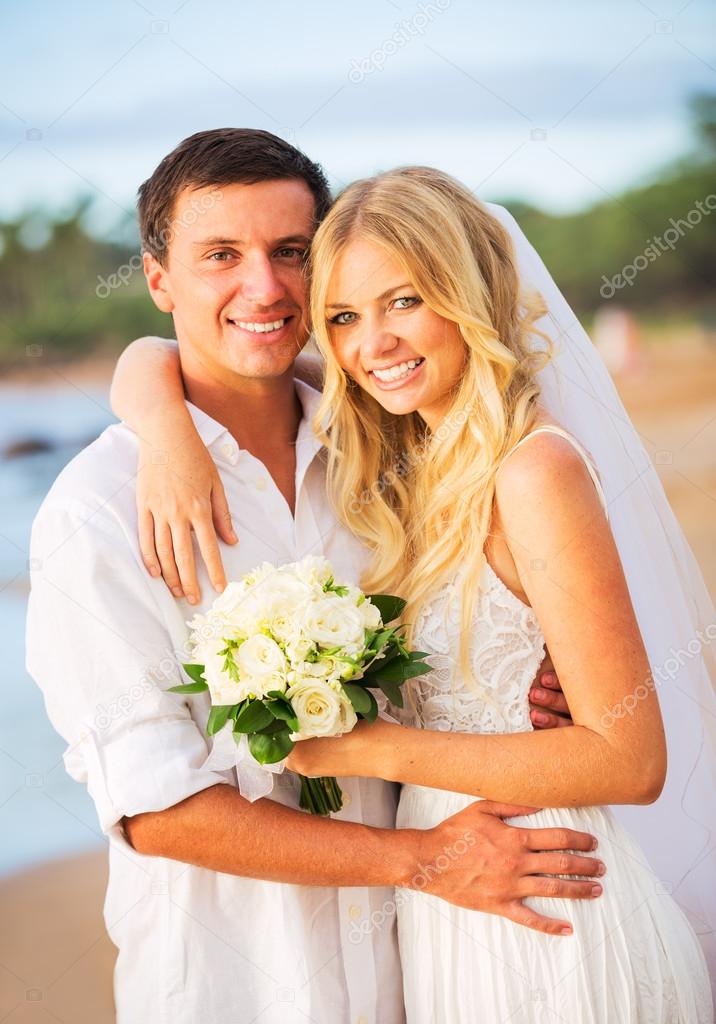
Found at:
[506, 649]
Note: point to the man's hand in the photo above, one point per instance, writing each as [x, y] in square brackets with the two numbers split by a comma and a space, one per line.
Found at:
[549, 708]
[475, 860]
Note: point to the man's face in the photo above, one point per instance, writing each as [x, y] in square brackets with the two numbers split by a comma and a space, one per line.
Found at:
[234, 279]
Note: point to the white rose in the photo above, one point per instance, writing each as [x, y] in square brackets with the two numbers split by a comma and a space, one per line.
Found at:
[314, 570]
[320, 709]
[222, 688]
[333, 621]
[298, 648]
[370, 615]
[262, 665]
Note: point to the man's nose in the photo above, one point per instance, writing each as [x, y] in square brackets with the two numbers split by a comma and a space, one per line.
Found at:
[260, 283]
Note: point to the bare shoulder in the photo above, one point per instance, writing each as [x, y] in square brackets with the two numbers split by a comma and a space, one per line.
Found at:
[545, 484]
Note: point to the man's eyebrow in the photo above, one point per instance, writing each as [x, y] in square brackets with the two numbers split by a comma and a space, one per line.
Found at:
[238, 242]
[384, 295]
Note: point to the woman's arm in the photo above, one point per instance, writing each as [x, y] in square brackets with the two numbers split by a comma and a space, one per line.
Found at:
[179, 489]
[569, 568]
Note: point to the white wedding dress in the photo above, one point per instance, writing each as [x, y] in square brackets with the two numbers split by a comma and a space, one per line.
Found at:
[633, 956]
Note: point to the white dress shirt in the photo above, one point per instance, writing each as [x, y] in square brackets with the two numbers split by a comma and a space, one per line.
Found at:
[103, 642]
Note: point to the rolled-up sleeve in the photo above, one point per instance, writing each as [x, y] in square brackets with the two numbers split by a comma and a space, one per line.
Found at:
[100, 650]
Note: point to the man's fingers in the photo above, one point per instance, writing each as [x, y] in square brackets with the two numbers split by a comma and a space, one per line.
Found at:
[558, 839]
[209, 548]
[563, 864]
[165, 552]
[559, 888]
[519, 913]
[185, 560]
[145, 531]
[546, 720]
[502, 810]
[221, 514]
[551, 700]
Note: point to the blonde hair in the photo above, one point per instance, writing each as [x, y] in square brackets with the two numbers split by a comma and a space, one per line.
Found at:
[421, 500]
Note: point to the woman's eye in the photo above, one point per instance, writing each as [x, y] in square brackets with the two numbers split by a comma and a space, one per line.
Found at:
[340, 319]
[409, 300]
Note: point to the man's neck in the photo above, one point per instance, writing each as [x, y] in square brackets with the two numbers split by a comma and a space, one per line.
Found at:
[262, 415]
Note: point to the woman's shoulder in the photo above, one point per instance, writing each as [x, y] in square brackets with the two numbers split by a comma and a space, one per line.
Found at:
[547, 465]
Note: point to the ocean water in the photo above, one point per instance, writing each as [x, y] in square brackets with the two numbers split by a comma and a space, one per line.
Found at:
[43, 812]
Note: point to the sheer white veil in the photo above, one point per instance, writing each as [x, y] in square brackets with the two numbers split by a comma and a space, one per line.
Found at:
[675, 612]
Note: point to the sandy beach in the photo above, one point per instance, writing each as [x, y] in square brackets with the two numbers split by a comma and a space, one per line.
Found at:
[56, 958]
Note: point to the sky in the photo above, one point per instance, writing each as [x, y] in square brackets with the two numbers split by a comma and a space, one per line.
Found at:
[557, 103]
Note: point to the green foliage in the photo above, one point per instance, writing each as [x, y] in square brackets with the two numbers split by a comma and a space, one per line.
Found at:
[72, 294]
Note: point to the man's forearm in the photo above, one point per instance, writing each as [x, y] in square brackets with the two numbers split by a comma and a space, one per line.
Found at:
[220, 830]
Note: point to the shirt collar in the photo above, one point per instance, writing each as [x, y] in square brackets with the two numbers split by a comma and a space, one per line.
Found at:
[211, 431]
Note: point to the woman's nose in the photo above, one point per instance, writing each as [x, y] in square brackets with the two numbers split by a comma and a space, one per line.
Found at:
[377, 342]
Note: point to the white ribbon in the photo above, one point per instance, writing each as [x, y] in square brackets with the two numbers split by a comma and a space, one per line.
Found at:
[255, 780]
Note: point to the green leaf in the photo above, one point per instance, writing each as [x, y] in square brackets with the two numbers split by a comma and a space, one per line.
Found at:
[399, 670]
[270, 748]
[392, 692]
[389, 607]
[195, 672]
[218, 717]
[253, 717]
[189, 688]
[372, 713]
[358, 696]
[282, 710]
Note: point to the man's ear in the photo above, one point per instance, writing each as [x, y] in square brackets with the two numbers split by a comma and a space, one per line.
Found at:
[158, 283]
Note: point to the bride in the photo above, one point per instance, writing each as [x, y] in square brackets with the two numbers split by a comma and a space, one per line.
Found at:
[491, 518]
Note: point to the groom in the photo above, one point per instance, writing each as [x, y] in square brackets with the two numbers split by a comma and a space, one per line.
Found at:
[225, 911]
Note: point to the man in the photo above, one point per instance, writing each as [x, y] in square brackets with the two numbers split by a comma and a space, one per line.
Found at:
[222, 910]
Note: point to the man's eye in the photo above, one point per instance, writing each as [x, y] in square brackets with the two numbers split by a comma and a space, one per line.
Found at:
[409, 300]
[221, 257]
[340, 319]
[292, 253]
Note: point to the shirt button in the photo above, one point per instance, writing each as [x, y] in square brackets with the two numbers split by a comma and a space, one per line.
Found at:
[347, 799]
[362, 1019]
[261, 484]
[228, 451]
[354, 911]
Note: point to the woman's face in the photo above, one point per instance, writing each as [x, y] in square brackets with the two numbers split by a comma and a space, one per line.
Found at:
[402, 353]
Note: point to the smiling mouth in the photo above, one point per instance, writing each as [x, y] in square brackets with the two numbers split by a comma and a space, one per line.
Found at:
[397, 372]
[258, 327]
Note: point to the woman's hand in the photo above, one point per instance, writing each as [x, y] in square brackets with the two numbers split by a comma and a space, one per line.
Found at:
[179, 491]
[356, 753]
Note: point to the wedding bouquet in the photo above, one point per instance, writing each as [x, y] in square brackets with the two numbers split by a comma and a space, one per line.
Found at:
[287, 654]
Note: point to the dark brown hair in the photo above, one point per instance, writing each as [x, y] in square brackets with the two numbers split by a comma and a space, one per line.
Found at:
[221, 156]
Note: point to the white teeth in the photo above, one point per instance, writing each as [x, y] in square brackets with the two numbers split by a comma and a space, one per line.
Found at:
[256, 328]
[397, 371]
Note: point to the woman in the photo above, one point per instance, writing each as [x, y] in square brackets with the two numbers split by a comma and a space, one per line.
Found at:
[491, 520]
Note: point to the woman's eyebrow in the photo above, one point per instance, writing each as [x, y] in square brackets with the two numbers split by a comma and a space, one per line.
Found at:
[383, 295]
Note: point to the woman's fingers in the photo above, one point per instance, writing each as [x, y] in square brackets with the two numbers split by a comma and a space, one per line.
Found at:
[209, 548]
[165, 551]
[563, 864]
[559, 888]
[145, 531]
[527, 917]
